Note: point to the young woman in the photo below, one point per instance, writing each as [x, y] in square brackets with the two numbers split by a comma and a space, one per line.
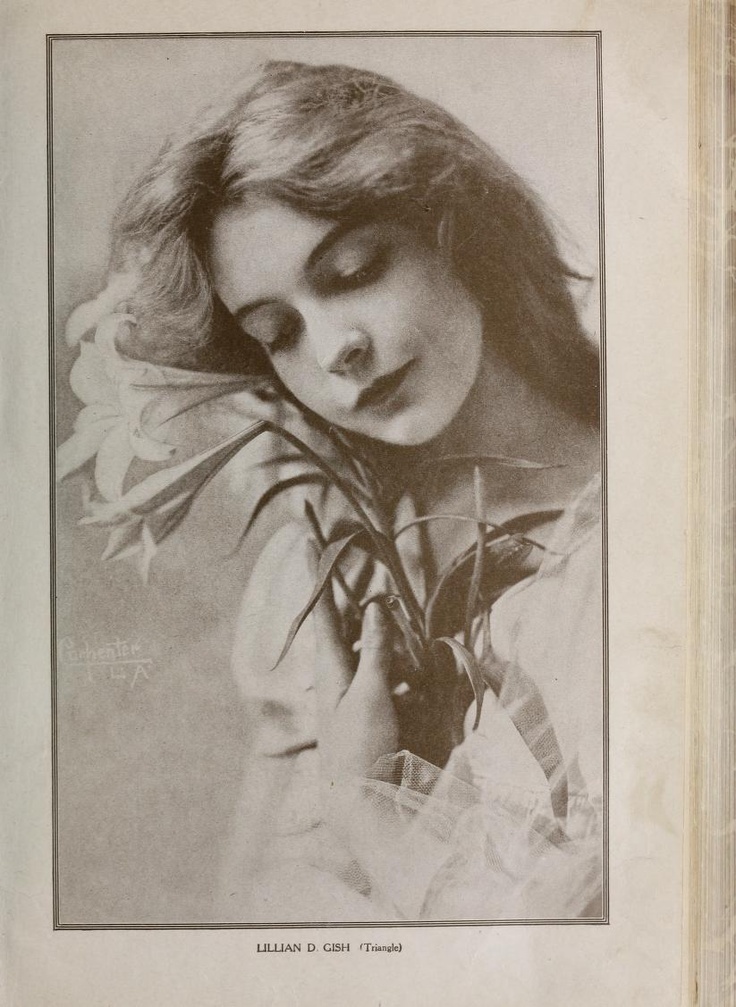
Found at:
[381, 271]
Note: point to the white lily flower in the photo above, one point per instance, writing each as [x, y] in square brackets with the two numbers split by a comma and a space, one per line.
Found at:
[162, 415]
[130, 407]
[87, 316]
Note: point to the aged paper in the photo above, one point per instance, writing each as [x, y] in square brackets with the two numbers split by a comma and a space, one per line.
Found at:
[132, 654]
[635, 956]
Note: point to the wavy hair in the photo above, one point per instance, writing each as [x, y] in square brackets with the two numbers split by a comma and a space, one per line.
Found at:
[342, 143]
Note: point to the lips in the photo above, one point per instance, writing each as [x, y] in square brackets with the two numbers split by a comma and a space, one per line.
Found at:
[381, 390]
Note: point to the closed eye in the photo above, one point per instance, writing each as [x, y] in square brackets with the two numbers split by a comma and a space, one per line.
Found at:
[352, 258]
[363, 273]
[356, 260]
[274, 326]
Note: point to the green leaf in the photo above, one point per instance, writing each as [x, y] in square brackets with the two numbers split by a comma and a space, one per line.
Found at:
[349, 450]
[467, 662]
[502, 460]
[311, 516]
[501, 549]
[509, 530]
[303, 479]
[414, 643]
[353, 494]
[328, 559]
[286, 458]
[427, 518]
[480, 548]
[383, 546]
[427, 470]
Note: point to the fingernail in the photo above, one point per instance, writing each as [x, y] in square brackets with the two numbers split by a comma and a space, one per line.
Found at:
[370, 619]
[375, 617]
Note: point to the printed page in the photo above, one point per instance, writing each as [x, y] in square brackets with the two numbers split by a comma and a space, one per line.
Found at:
[442, 274]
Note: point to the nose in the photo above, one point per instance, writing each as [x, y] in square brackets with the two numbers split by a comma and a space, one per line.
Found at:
[343, 352]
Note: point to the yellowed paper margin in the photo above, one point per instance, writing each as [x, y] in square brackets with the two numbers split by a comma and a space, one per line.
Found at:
[711, 923]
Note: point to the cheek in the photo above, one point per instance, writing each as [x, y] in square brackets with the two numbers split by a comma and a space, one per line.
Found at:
[405, 315]
[434, 299]
[447, 322]
[304, 379]
[294, 373]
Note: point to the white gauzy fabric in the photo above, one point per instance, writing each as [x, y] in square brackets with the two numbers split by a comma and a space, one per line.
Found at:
[510, 829]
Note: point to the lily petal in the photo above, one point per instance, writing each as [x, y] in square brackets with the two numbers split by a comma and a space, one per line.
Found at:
[124, 540]
[96, 412]
[169, 484]
[152, 396]
[89, 378]
[84, 318]
[147, 551]
[149, 449]
[82, 445]
[114, 458]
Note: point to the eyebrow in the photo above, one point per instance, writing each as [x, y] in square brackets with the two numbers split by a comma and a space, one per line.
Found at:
[326, 242]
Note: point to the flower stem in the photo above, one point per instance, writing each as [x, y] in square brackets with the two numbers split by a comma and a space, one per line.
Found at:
[385, 548]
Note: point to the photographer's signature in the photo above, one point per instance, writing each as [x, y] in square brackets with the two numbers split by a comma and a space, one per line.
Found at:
[112, 660]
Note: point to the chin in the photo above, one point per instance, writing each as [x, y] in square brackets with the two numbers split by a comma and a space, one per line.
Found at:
[411, 432]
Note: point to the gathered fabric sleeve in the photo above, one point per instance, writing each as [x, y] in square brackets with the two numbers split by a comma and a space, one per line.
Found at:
[509, 829]
[282, 863]
[512, 827]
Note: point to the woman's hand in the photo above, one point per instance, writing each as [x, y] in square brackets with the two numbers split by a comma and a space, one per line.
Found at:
[356, 717]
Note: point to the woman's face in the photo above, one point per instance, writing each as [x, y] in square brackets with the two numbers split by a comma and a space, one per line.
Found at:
[366, 325]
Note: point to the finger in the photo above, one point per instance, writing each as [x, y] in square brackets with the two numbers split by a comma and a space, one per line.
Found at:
[376, 645]
[333, 672]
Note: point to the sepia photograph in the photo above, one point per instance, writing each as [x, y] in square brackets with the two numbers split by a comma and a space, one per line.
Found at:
[330, 480]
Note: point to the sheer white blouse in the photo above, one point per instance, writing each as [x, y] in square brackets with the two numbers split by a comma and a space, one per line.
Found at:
[510, 829]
